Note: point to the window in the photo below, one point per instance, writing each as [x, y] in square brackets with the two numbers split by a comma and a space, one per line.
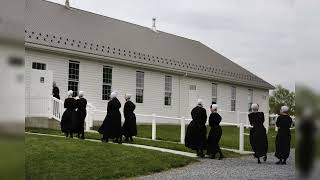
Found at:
[107, 82]
[250, 98]
[139, 86]
[214, 93]
[193, 87]
[168, 90]
[73, 82]
[233, 98]
[40, 66]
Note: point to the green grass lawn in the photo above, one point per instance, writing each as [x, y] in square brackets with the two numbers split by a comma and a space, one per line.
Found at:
[12, 157]
[229, 139]
[161, 144]
[61, 158]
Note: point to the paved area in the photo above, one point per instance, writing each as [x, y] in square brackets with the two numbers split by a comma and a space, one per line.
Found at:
[245, 168]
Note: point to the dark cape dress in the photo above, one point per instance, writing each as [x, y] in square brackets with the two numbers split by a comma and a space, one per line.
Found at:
[214, 134]
[129, 127]
[196, 131]
[69, 117]
[82, 113]
[258, 135]
[111, 126]
[56, 92]
[283, 137]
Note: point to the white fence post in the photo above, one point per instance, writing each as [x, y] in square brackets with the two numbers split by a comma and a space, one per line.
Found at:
[50, 108]
[183, 130]
[275, 124]
[238, 118]
[241, 138]
[154, 127]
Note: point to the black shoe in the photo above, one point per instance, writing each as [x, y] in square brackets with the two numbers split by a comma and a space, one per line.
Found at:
[212, 156]
[198, 153]
[126, 140]
[284, 162]
[201, 154]
[259, 162]
[265, 158]
[279, 162]
[104, 140]
[221, 156]
[82, 137]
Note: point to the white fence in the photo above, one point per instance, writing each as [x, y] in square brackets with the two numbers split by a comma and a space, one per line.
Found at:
[56, 109]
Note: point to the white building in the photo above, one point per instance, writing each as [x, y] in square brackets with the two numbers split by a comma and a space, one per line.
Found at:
[165, 73]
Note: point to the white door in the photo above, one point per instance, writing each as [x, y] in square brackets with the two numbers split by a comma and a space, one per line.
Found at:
[40, 90]
[193, 96]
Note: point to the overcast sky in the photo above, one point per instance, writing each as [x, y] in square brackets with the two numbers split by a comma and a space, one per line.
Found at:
[259, 35]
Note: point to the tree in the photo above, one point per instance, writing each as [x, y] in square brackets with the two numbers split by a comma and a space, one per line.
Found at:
[280, 97]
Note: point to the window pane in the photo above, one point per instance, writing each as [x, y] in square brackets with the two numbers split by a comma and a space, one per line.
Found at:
[106, 91]
[139, 96]
[74, 70]
[107, 75]
[73, 85]
[40, 66]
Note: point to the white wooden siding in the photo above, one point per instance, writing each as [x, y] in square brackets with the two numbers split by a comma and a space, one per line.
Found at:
[124, 81]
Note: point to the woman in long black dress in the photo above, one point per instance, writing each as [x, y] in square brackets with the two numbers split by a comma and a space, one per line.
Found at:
[283, 138]
[129, 127]
[82, 113]
[69, 117]
[111, 126]
[258, 135]
[197, 131]
[215, 133]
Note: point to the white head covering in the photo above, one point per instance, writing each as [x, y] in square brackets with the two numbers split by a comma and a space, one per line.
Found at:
[255, 107]
[284, 109]
[127, 96]
[214, 107]
[113, 94]
[70, 93]
[200, 102]
[81, 94]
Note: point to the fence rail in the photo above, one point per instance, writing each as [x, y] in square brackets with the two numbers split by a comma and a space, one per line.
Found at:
[56, 109]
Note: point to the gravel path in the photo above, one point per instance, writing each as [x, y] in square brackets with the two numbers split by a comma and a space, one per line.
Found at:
[244, 168]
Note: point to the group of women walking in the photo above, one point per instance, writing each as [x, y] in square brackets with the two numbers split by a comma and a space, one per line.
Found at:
[73, 118]
[196, 136]
[111, 126]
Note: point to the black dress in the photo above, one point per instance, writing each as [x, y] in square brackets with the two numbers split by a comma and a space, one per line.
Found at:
[283, 137]
[111, 126]
[129, 127]
[258, 135]
[82, 113]
[214, 134]
[196, 130]
[69, 117]
[56, 92]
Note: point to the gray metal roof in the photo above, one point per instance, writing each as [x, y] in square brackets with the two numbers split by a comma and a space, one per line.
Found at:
[54, 25]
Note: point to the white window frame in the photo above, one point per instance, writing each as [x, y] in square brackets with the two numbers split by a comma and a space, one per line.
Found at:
[39, 65]
[214, 93]
[168, 91]
[75, 79]
[139, 87]
[250, 98]
[233, 98]
[106, 96]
